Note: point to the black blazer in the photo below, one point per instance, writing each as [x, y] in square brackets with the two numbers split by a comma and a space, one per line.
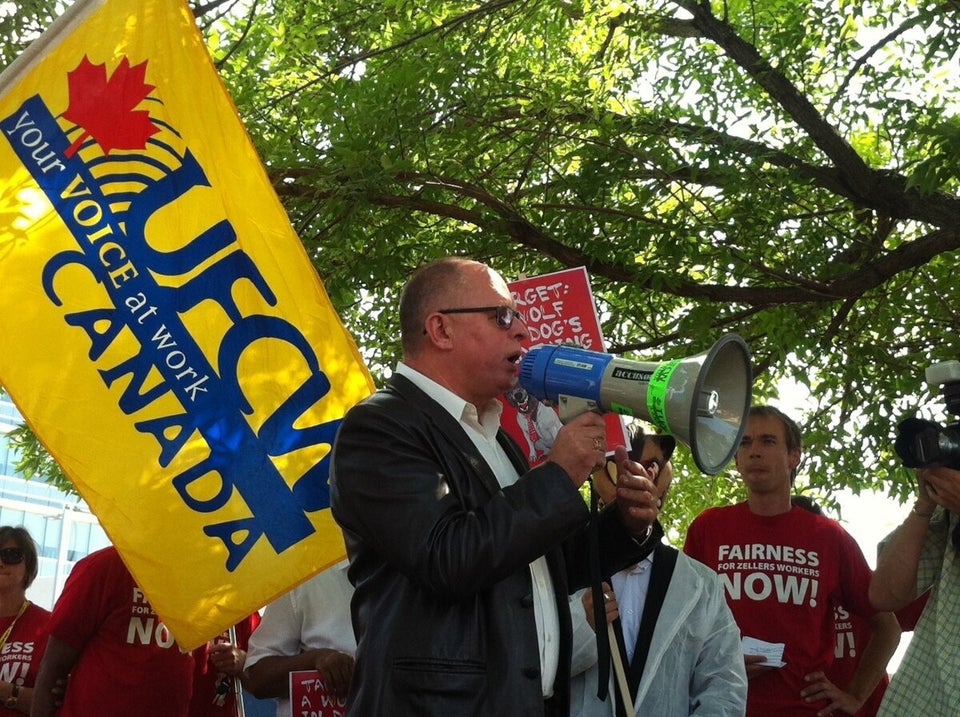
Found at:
[439, 556]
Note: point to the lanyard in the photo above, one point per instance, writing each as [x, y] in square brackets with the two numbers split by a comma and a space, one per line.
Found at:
[6, 633]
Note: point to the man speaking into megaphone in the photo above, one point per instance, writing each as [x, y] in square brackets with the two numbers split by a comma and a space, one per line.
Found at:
[461, 555]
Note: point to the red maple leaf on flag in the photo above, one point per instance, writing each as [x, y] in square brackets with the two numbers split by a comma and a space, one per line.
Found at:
[104, 107]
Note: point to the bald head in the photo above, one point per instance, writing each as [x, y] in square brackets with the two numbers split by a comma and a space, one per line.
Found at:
[454, 332]
[433, 286]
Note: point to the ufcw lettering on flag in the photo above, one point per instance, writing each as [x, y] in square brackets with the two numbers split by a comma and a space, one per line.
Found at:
[163, 330]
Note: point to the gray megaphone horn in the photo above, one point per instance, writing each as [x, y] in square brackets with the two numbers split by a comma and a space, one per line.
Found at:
[701, 400]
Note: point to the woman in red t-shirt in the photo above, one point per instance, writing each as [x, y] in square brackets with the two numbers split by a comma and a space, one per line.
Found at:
[23, 625]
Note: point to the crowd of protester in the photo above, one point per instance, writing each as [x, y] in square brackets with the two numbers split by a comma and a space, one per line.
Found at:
[477, 585]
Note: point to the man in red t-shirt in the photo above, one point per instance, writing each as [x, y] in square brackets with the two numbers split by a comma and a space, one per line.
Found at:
[120, 658]
[784, 572]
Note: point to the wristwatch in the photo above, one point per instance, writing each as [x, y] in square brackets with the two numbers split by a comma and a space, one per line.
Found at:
[11, 701]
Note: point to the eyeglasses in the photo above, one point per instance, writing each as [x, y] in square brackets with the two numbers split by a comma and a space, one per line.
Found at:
[504, 315]
[11, 556]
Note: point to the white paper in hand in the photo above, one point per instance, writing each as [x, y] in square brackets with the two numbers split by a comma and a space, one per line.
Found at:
[773, 651]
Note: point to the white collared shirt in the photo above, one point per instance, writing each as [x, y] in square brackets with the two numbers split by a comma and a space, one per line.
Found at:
[482, 430]
[314, 615]
[630, 586]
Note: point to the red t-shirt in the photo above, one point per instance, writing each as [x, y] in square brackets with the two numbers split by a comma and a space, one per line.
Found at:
[853, 633]
[21, 653]
[129, 663]
[783, 576]
[207, 679]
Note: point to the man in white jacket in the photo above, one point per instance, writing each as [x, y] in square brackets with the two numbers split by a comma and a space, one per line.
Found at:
[684, 661]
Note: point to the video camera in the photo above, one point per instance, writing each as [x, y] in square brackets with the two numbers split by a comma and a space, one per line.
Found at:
[925, 444]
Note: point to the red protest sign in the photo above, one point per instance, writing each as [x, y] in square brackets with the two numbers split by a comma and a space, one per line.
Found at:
[557, 308]
[309, 696]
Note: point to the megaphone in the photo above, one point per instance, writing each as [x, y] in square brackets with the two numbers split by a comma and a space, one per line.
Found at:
[702, 400]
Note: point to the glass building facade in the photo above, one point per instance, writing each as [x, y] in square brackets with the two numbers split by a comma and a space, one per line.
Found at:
[62, 525]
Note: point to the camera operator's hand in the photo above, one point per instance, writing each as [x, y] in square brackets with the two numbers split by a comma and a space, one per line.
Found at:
[940, 486]
[926, 502]
[894, 582]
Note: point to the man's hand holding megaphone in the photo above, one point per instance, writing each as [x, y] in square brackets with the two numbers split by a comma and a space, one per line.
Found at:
[581, 448]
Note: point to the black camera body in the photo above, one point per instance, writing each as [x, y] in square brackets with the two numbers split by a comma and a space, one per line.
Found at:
[925, 444]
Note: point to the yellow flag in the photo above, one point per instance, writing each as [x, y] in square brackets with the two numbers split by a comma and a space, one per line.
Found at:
[162, 328]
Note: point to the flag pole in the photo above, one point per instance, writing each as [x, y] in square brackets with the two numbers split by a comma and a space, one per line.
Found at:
[237, 684]
[621, 674]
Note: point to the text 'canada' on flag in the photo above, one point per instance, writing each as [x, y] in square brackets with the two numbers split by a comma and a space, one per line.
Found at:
[175, 350]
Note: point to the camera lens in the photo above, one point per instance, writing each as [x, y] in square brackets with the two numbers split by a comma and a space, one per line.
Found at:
[924, 444]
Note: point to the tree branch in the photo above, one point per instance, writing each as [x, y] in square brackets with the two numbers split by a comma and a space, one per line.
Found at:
[886, 193]
[351, 60]
[858, 177]
[792, 289]
[871, 51]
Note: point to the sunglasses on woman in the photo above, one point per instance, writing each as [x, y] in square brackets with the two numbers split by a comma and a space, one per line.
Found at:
[11, 556]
